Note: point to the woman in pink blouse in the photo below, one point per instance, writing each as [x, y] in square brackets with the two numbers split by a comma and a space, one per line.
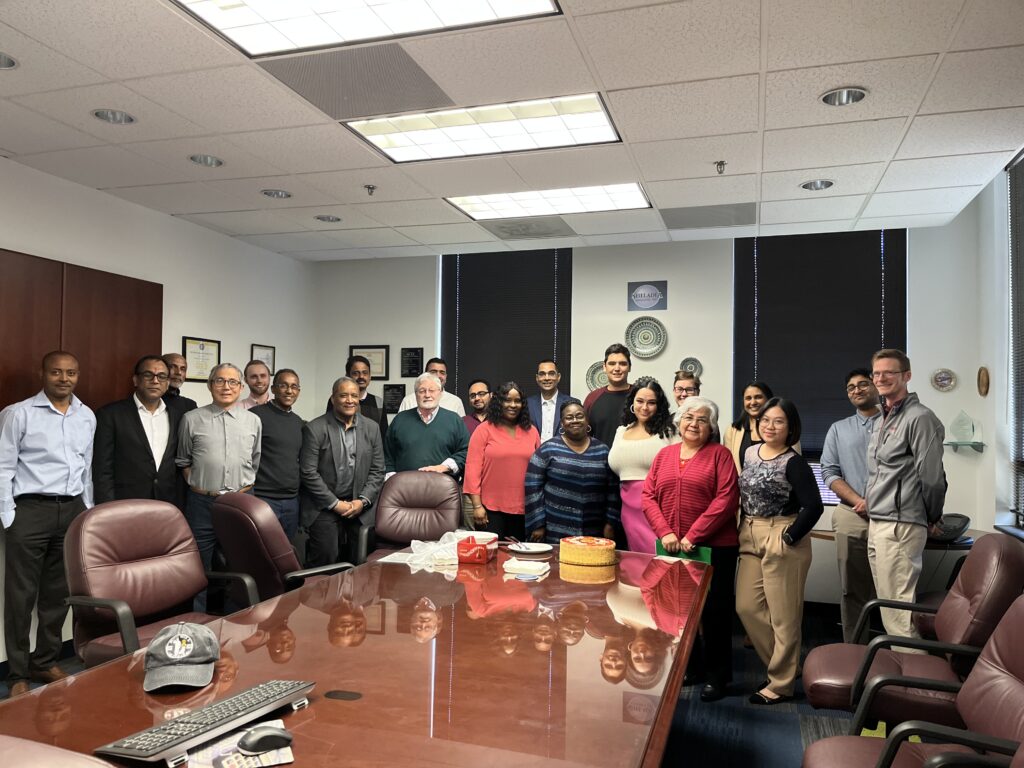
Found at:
[499, 452]
[690, 498]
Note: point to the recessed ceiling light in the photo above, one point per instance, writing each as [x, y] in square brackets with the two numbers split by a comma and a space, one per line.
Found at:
[563, 121]
[327, 218]
[276, 194]
[845, 96]
[7, 62]
[207, 161]
[113, 116]
[817, 185]
[261, 27]
[547, 202]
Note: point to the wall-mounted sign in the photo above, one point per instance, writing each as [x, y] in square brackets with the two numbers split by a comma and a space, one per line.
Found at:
[646, 296]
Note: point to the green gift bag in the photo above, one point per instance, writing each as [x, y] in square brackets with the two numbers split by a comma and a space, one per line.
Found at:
[700, 554]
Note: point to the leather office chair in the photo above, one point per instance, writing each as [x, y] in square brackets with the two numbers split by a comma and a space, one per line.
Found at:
[412, 505]
[990, 703]
[33, 754]
[925, 622]
[991, 579]
[253, 542]
[133, 567]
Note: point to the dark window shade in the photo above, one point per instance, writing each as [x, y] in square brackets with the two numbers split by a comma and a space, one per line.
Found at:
[808, 308]
[503, 312]
[1015, 180]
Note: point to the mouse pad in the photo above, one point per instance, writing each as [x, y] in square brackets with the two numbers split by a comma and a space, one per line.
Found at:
[223, 752]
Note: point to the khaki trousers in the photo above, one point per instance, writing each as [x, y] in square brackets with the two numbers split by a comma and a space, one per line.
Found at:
[467, 512]
[770, 595]
[896, 553]
[855, 577]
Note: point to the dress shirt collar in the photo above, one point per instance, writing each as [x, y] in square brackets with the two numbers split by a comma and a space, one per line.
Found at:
[545, 399]
[865, 420]
[160, 408]
[355, 418]
[274, 403]
[42, 401]
[428, 416]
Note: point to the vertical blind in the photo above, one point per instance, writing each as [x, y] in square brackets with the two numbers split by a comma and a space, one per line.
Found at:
[808, 309]
[501, 313]
[1015, 181]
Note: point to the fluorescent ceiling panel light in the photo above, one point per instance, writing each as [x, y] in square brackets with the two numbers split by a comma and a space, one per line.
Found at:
[262, 27]
[549, 202]
[563, 121]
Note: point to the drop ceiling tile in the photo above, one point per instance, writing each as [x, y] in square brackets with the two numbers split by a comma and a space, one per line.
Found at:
[577, 167]
[348, 254]
[74, 107]
[714, 190]
[686, 109]
[805, 228]
[807, 32]
[905, 222]
[470, 248]
[956, 171]
[825, 209]
[545, 242]
[849, 180]
[680, 41]
[505, 62]
[826, 145]
[367, 238]
[39, 68]
[991, 23]
[584, 7]
[349, 186]
[411, 213]
[350, 219]
[190, 197]
[101, 167]
[121, 39]
[310, 148]
[227, 98]
[249, 191]
[243, 222]
[175, 153]
[922, 201]
[613, 222]
[287, 242]
[977, 80]
[466, 176]
[440, 234]
[24, 132]
[712, 233]
[694, 158]
[627, 238]
[894, 86]
[962, 133]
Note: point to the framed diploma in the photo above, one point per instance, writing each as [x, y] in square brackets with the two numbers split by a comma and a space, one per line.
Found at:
[201, 356]
[377, 354]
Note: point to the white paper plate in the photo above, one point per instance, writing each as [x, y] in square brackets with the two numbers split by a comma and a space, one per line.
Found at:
[529, 548]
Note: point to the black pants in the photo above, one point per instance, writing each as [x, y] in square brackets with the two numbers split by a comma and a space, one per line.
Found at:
[34, 577]
[505, 525]
[713, 651]
[332, 539]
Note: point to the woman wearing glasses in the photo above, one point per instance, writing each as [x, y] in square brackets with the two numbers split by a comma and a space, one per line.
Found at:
[499, 451]
[570, 491]
[646, 428]
[781, 503]
[690, 499]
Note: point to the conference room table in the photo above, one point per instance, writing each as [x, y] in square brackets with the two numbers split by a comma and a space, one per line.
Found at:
[473, 667]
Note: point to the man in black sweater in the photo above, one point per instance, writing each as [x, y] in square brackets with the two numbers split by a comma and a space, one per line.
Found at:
[277, 480]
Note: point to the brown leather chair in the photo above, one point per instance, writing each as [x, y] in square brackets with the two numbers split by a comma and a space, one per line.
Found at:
[33, 754]
[991, 579]
[990, 703]
[253, 542]
[133, 567]
[412, 505]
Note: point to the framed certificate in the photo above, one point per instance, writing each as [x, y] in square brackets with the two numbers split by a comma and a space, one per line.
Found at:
[265, 354]
[201, 356]
[377, 354]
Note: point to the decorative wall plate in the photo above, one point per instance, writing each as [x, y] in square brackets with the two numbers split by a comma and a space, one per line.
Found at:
[596, 377]
[646, 337]
[983, 381]
[691, 365]
[943, 379]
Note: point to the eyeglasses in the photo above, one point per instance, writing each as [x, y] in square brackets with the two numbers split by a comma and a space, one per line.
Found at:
[686, 390]
[860, 386]
[288, 387]
[887, 374]
[777, 423]
[232, 383]
[477, 395]
[575, 417]
[700, 421]
[150, 376]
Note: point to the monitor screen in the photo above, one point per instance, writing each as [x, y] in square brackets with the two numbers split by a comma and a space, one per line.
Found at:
[828, 498]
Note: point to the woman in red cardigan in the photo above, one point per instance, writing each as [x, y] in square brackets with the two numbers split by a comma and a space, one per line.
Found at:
[690, 498]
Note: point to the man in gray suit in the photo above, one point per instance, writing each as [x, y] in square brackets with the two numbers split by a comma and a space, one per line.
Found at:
[342, 470]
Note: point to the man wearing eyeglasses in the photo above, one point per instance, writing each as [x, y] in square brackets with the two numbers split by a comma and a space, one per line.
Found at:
[844, 469]
[906, 487]
[219, 452]
[277, 479]
[137, 441]
[546, 406]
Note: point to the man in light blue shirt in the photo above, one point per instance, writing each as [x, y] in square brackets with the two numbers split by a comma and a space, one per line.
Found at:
[844, 469]
[45, 481]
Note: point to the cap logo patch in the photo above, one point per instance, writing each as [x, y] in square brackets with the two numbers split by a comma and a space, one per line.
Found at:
[179, 647]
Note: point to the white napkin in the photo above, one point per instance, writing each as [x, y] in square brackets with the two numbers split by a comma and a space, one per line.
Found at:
[531, 567]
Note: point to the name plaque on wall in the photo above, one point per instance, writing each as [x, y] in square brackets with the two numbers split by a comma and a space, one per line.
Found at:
[647, 295]
[394, 394]
[412, 362]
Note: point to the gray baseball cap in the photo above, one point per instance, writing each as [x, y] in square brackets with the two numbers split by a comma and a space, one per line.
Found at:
[181, 654]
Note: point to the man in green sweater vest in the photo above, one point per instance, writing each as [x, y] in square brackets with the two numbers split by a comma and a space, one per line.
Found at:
[427, 438]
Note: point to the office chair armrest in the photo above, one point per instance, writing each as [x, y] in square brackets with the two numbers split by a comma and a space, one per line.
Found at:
[878, 602]
[878, 682]
[891, 641]
[966, 760]
[365, 543]
[942, 733]
[295, 578]
[247, 582]
[122, 615]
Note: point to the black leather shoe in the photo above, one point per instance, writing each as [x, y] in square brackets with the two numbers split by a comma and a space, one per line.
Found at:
[712, 692]
[693, 678]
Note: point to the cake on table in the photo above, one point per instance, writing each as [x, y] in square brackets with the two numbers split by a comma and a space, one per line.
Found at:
[586, 550]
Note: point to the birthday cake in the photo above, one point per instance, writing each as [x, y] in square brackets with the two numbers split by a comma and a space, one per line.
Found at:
[586, 550]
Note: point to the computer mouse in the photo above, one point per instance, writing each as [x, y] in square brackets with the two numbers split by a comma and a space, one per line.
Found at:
[263, 738]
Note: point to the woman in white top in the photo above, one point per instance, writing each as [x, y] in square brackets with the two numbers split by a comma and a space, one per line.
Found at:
[646, 428]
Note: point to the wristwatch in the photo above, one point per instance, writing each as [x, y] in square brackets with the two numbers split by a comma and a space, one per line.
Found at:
[786, 538]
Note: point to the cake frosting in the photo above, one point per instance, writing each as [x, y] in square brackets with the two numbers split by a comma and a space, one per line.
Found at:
[586, 550]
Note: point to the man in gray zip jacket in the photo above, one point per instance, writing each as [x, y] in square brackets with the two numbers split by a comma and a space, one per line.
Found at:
[906, 487]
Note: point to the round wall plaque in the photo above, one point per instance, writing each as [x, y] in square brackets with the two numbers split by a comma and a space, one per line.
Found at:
[646, 337]
[983, 381]
[943, 379]
[596, 377]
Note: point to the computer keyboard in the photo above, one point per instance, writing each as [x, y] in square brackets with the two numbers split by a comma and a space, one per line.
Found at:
[170, 741]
